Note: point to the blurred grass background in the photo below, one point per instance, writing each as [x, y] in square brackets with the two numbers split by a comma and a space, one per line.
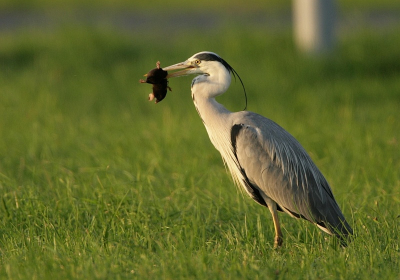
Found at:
[98, 183]
[158, 5]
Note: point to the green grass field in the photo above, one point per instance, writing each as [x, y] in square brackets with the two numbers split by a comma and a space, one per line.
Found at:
[98, 183]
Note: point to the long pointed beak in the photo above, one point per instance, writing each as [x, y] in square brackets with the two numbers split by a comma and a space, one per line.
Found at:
[187, 69]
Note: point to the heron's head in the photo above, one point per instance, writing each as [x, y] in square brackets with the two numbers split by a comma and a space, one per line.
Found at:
[207, 63]
[214, 72]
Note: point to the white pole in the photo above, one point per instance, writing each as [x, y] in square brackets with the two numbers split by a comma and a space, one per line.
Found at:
[314, 24]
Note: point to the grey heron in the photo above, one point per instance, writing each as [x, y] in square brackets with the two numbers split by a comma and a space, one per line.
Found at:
[263, 158]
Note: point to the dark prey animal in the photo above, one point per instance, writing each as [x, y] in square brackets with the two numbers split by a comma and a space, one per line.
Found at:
[158, 78]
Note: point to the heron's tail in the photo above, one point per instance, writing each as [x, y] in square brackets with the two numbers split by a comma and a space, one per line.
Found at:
[337, 225]
[344, 232]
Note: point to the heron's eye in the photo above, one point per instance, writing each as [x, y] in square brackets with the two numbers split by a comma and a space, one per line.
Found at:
[197, 61]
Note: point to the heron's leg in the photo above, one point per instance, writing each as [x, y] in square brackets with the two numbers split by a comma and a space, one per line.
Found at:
[278, 233]
[274, 212]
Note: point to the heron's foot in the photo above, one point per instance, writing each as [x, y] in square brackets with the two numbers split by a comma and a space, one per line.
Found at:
[278, 242]
[142, 81]
[158, 65]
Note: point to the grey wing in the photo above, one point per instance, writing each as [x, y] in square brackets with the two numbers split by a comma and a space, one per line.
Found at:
[273, 162]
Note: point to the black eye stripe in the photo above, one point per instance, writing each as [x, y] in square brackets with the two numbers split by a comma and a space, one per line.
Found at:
[213, 57]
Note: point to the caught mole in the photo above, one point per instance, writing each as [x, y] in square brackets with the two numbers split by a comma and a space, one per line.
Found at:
[158, 78]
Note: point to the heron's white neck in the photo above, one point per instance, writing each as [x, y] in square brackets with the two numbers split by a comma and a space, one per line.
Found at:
[218, 122]
[204, 90]
[215, 81]
[216, 119]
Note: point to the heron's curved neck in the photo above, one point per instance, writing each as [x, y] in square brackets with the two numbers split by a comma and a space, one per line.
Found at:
[209, 109]
[214, 115]
[216, 119]
[204, 90]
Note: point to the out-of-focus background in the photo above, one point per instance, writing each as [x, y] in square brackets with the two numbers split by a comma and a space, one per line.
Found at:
[96, 182]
